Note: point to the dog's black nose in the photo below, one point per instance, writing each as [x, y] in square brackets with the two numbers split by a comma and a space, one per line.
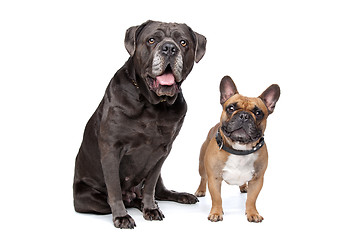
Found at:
[244, 116]
[169, 48]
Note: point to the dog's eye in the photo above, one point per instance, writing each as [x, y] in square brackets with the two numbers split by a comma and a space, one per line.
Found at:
[230, 109]
[151, 41]
[183, 43]
[259, 114]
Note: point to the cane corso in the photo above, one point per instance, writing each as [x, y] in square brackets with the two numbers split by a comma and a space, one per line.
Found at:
[129, 136]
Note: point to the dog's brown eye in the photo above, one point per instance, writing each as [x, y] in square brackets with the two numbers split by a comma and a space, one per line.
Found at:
[230, 109]
[258, 114]
[151, 41]
[183, 43]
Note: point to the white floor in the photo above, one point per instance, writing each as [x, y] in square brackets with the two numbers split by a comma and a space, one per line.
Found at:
[283, 220]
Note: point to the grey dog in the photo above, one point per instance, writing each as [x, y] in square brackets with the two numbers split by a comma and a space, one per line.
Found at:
[131, 132]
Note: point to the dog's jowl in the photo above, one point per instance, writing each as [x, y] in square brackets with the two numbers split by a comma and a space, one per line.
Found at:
[131, 132]
[235, 150]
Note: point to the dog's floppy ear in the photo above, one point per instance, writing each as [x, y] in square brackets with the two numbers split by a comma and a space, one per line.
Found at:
[131, 35]
[200, 46]
[227, 89]
[270, 96]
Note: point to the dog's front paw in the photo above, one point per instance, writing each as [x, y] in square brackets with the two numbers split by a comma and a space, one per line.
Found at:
[124, 222]
[254, 216]
[215, 217]
[153, 214]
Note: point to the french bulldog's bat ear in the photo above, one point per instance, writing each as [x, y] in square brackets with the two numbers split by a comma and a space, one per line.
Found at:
[131, 35]
[270, 96]
[200, 46]
[227, 89]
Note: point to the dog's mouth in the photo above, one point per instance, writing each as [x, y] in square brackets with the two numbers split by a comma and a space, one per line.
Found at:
[241, 135]
[164, 84]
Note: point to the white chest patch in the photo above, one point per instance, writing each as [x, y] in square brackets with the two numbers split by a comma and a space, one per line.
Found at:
[239, 169]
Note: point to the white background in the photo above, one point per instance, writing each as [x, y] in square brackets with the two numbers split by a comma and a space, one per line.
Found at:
[57, 57]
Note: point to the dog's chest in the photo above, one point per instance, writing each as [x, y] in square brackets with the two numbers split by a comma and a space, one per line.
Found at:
[239, 169]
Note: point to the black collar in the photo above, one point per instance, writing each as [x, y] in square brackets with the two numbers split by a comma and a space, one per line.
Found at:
[221, 145]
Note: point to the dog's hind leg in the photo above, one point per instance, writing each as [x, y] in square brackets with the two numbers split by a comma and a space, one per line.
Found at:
[163, 194]
[89, 200]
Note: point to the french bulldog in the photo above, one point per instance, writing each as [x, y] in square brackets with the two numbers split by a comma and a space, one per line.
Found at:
[235, 150]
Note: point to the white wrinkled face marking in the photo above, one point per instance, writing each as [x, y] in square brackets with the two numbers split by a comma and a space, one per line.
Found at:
[178, 67]
[159, 64]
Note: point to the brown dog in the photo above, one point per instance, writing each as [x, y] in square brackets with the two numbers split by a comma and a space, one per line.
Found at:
[234, 150]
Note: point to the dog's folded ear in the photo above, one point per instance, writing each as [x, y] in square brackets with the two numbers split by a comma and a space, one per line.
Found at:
[200, 47]
[227, 89]
[270, 96]
[131, 35]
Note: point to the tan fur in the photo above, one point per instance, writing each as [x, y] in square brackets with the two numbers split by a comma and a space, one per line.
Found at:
[212, 161]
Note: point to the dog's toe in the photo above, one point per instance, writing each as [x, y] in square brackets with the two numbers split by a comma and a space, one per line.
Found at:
[244, 188]
[200, 193]
[187, 198]
[215, 217]
[153, 214]
[124, 222]
[254, 217]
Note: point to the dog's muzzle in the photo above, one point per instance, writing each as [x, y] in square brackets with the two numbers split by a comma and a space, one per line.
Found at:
[242, 128]
[167, 66]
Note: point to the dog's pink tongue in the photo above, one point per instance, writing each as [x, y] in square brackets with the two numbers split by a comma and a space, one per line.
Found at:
[166, 79]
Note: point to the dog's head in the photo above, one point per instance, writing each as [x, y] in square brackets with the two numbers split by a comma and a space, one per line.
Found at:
[243, 120]
[163, 56]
